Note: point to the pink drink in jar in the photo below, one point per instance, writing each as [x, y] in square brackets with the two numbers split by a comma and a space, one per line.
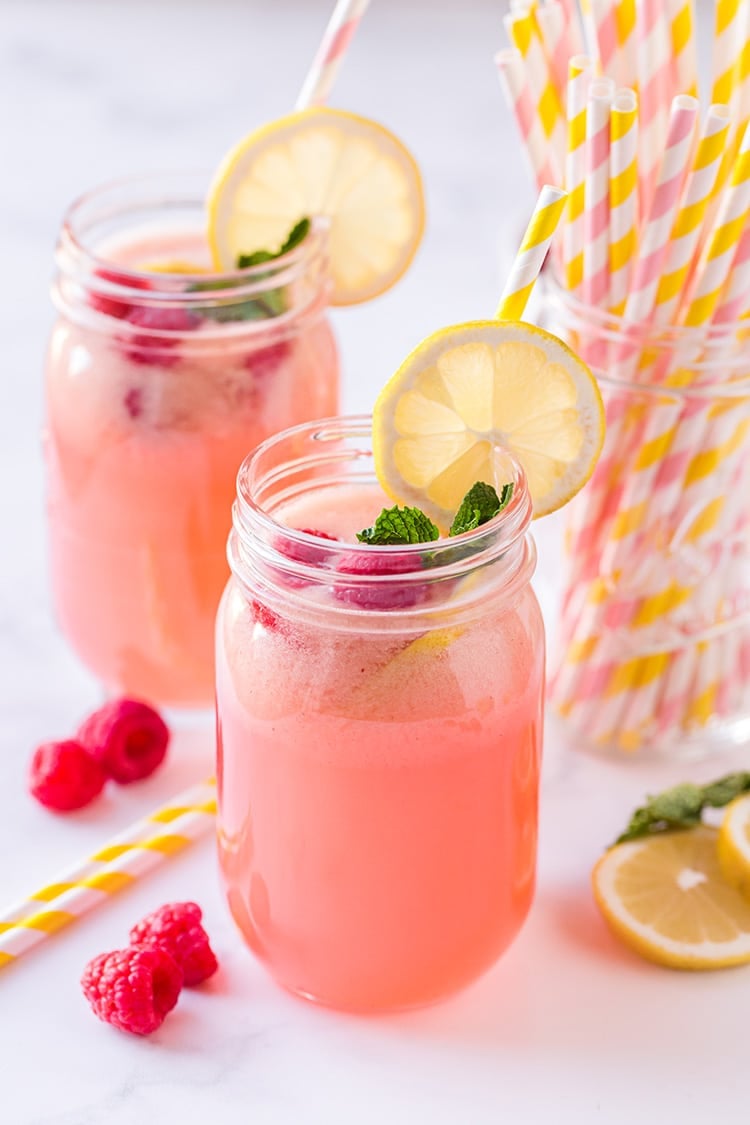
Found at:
[380, 727]
[160, 376]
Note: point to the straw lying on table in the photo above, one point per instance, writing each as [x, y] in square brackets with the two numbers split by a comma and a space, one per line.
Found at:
[123, 860]
[655, 232]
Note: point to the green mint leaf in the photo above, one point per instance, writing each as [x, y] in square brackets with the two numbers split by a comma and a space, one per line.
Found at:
[682, 806]
[399, 525]
[257, 258]
[480, 504]
[297, 234]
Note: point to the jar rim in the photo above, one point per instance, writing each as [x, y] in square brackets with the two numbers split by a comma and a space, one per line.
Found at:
[76, 255]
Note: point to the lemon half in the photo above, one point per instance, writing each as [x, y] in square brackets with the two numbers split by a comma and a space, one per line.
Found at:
[665, 897]
[327, 163]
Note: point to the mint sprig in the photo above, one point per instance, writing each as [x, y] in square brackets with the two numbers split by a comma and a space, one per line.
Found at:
[682, 806]
[399, 525]
[480, 504]
[410, 525]
[264, 305]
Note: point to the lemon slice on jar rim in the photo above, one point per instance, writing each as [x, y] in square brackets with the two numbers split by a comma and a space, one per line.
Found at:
[467, 395]
[327, 163]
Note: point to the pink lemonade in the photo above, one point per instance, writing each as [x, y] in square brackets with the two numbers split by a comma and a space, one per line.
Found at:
[160, 377]
[379, 746]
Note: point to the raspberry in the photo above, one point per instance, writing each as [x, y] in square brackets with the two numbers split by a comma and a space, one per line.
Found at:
[264, 616]
[64, 776]
[143, 347]
[177, 929]
[379, 595]
[128, 738]
[133, 989]
[300, 552]
[265, 361]
[114, 306]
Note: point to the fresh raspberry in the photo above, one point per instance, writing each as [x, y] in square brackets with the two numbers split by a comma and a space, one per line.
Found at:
[177, 929]
[266, 361]
[265, 616]
[128, 738]
[64, 776]
[300, 552]
[133, 989]
[113, 306]
[146, 347]
[379, 595]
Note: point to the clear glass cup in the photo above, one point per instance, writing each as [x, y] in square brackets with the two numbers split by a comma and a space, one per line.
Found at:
[160, 377]
[654, 652]
[379, 732]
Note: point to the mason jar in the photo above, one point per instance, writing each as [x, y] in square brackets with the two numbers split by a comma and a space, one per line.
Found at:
[161, 374]
[654, 652]
[379, 731]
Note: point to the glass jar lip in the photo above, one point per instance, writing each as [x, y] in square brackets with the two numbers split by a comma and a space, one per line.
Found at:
[614, 326]
[125, 282]
[251, 518]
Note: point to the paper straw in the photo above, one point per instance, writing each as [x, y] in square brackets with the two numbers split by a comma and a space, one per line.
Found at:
[686, 233]
[531, 254]
[734, 301]
[524, 35]
[623, 196]
[682, 36]
[727, 51]
[557, 41]
[614, 21]
[580, 69]
[595, 285]
[654, 54]
[330, 55]
[121, 862]
[515, 83]
[573, 24]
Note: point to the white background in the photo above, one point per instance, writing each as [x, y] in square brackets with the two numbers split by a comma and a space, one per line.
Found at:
[569, 1027]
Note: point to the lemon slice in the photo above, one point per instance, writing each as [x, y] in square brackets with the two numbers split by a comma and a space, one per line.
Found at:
[322, 162]
[734, 844]
[465, 396]
[665, 896]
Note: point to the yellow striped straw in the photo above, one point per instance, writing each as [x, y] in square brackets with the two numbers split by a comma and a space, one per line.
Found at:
[531, 254]
[717, 256]
[686, 233]
[580, 71]
[118, 864]
[726, 58]
[524, 35]
[623, 195]
[684, 58]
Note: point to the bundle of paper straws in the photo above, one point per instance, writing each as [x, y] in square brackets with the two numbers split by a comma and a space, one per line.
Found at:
[654, 283]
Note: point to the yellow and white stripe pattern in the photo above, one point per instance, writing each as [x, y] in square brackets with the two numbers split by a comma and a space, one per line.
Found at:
[726, 58]
[532, 252]
[684, 60]
[580, 70]
[112, 868]
[623, 196]
[524, 35]
[686, 233]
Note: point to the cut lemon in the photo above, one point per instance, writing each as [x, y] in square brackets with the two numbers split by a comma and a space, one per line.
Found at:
[328, 163]
[465, 396]
[734, 844]
[665, 896]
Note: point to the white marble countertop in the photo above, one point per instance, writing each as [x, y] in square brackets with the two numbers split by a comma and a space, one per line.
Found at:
[568, 1027]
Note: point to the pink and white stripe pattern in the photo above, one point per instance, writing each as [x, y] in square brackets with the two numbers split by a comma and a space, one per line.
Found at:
[333, 46]
[615, 36]
[559, 45]
[518, 94]
[595, 286]
[654, 49]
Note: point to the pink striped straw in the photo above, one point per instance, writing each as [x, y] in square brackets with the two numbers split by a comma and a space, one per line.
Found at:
[573, 24]
[595, 288]
[558, 43]
[614, 21]
[654, 91]
[333, 46]
[515, 83]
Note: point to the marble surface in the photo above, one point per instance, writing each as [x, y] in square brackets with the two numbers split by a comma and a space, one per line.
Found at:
[569, 1027]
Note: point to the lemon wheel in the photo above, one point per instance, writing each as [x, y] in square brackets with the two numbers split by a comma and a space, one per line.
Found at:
[327, 163]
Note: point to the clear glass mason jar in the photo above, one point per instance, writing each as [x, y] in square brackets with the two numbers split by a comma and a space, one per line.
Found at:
[160, 376]
[379, 732]
[654, 650]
